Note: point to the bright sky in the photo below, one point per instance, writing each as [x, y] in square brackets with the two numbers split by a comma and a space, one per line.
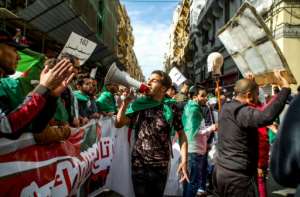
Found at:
[150, 20]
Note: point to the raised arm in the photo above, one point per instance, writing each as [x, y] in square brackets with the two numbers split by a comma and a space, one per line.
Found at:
[249, 117]
[122, 119]
[13, 122]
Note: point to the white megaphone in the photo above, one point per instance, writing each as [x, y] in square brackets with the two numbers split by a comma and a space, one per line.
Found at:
[115, 75]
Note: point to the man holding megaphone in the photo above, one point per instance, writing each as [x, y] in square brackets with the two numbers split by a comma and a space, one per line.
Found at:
[153, 118]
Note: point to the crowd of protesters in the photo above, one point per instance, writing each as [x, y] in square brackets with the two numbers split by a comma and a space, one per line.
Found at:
[226, 154]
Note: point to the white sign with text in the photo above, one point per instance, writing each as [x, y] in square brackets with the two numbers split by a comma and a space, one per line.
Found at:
[176, 76]
[80, 47]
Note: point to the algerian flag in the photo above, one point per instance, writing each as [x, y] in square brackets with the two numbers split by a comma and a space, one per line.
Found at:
[29, 69]
[31, 63]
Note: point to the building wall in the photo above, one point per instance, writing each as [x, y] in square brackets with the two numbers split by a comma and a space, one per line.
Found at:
[99, 15]
[179, 36]
[284, 22]
[282, 17]
[102, 19]
[107, 22]
[125, 51]
[203, 40]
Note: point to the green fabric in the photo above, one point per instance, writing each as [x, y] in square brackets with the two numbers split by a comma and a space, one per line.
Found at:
[17, 89]
[29, 59]
[61, 113]
[81, 96]
[31, 63]
[104, 89]
[272, 136]
[11, 88]
[191, 118]
[106, 101]
[147, 103]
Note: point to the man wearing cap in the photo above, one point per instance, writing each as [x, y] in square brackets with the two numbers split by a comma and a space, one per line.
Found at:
[39, 105]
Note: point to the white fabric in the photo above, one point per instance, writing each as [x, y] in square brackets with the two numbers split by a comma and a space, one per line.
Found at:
[119, 177]
[173, 187]
[199, 142]
[4, 123]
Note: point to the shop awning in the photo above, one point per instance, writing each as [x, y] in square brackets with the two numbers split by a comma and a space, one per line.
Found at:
[58, 19]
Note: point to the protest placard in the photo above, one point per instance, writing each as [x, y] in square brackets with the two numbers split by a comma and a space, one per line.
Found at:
[176, 76]
[80, 47]
[252, 47]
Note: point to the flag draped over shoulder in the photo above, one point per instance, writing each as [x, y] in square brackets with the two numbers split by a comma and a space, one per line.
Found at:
[147, 103]
[191, 118]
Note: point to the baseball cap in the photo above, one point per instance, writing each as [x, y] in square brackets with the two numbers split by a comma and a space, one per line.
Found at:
[6, 38]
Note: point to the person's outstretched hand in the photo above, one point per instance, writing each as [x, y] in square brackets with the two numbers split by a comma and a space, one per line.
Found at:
[52, 78]
[63, 86]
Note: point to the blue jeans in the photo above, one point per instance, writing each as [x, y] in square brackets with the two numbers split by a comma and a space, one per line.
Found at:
[197, 166]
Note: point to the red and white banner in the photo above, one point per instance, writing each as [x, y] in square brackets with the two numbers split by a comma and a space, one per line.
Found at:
[77, 166]
[95, 157]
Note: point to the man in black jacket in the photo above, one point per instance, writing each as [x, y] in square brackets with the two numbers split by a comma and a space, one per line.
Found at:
[237, 158]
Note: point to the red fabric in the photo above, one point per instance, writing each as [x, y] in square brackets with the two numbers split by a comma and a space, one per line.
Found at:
[261, 183]
[263, 148]
[263, 142]
[26, 112]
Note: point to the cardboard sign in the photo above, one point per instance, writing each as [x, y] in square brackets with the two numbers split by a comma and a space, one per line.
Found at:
[252, 47]
[79, 46]
[176, 76]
